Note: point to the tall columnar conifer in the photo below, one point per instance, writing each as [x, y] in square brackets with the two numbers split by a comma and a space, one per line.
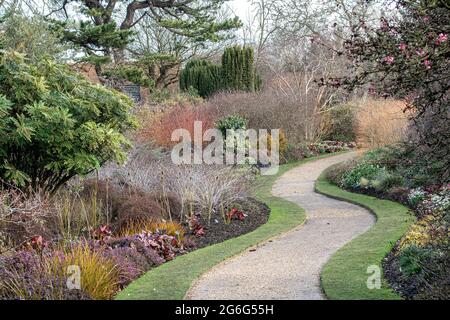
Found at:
[237, 73]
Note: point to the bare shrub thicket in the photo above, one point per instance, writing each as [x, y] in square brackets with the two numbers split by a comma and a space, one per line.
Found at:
[22, 216]
[65, 216]
[380, 122]
[158, 126]
[201, 189]
[291, 102]
[292, 98]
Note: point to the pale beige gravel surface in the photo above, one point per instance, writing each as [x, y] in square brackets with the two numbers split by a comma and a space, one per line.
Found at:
[288, 268]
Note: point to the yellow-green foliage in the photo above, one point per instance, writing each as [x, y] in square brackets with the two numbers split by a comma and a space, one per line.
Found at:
[170, 228]
[76, 216]
[283, 143]
[44, 275]
[62, 124]
[425, 232]
[418, 235]
[99, 275]
[364, 182]
[131, 73]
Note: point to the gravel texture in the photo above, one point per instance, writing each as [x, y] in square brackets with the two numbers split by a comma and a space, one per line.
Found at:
[288, 268]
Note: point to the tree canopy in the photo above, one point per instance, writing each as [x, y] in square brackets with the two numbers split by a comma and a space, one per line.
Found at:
[107, 26]
[408, 56]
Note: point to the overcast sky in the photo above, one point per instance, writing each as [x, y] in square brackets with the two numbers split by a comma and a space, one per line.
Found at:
[240, 7]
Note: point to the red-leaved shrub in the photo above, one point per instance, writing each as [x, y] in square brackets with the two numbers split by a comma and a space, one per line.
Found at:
[159, 129]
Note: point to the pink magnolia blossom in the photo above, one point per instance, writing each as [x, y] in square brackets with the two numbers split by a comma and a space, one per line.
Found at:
[402, 47]
[388, 59]
[441, 38]
[427, 64]
[420, 52]
[393, 32]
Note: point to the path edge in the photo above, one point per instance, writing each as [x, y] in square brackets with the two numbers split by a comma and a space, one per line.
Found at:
[140, 289]
[384, 211]
[239, 254]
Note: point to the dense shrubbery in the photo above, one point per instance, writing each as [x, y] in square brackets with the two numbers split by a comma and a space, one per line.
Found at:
[399, 165]
[275, 108]
[18, 33]
[29, 275]
[203, 76]
[62, 123]
[55, 126]
[238, 69]
[232, 123]
[372, 123]
[419, 267]
[406, 56]
[206, 191]
[160, 126]
[107, 264]
[112, 232]
[380, 122]
[362, 176]
[133, 74]
[342, 126]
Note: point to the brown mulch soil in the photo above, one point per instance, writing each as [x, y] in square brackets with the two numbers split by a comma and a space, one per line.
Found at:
[396, 194]
[257, 215]
[406, 287]
[432, 283]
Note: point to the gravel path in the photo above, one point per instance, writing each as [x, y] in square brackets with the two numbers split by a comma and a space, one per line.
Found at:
[288, 268]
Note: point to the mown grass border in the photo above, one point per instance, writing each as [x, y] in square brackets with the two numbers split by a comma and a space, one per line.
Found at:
[345, 275]
[172, 280]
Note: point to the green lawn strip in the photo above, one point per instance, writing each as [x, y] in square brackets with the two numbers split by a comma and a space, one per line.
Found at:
[172, 280]
[345, 276]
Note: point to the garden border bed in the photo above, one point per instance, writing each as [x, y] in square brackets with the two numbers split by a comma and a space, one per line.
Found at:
[172, 280]
[344, 277]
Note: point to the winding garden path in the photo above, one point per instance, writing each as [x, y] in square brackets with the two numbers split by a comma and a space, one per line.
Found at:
[289, 267]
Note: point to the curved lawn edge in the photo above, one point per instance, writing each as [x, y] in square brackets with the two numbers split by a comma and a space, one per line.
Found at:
[172, 280]
[345, 275]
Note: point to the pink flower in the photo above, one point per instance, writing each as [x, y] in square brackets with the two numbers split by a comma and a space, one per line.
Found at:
[402, 47]
[427, 64]
[384, 24]
[420, 52]
[441, 38]
[388, 59]
[426, 19]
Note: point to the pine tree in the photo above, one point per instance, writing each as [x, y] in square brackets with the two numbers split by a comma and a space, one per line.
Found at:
[109, 25]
